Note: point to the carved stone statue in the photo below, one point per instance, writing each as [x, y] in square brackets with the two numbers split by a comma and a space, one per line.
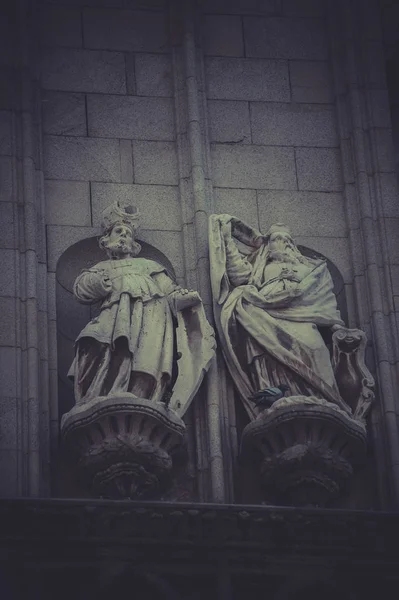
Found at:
[143, 356]
[269, 302]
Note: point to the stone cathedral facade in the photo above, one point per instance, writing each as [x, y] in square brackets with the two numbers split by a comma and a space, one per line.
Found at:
[273, 111]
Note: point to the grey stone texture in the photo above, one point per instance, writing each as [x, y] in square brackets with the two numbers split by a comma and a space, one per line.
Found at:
[293, 124]
[6, 186]
[334, 248]
[9, 487]
[131, 117]
[229, 121]
[8, 408]
[8, 321]
[319, 169]
[131, 30]
[253, 167]
[64, 113]
[245, 79]
[223, 35]
[125, 149]
[285, 38]
[158, 204]
[72, 70]
[303, 8]
[60, 237]
[5, 132]
[153, 75]
[8, 272]
[67, 202]
[240, 203]
[7, 234]
[76, 158]
[155, 163]
[311, 81]
[306, 213]
[392, 231]
[60, 26]
[168, 242]
[266, 7]
[389, 194]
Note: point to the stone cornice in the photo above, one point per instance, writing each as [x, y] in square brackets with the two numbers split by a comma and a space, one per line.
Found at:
[62, 531]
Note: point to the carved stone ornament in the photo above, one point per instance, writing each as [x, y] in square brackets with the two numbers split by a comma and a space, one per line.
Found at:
[269, 301]
[137, 367]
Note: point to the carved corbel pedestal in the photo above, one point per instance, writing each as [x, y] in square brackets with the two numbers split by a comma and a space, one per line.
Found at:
[123, 445]
[310, 447]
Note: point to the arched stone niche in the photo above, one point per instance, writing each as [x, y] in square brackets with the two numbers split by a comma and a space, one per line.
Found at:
[73, 316]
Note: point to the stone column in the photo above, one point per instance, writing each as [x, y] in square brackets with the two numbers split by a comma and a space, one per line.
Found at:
[372, 210]
[24, 418]
[196, 205]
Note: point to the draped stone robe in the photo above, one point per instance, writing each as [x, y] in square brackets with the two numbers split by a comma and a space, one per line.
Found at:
[268, 324]
[130, 346]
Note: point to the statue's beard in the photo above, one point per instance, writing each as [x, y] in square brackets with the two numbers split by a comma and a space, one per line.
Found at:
[285, 255]
[119, 248]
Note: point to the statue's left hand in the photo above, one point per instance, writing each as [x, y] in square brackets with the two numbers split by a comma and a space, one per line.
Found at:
[186, 298]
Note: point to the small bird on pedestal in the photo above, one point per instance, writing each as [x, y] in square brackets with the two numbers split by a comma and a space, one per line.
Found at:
[265, 398]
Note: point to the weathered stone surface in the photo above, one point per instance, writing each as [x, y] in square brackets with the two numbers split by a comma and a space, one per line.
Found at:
[158, 204]
[285, 38]
[334, 248]
[253, 167]
[6, 187]
[303, 8]
[380, 109]
[266, 7]
[73, 70]
[60, 237]
[241, 203]
[8, 273]
[81, 159]
[168, 242]
[392, 230]
[229, 121]
[8, 321]
[135, 31]
[131, 117]
[222, 35]
[153, 74]
[244, 79]
[8, 404]
[67, 202]
[310, 81]
[7, 233]
[9, 474]
[307, 213]
[319, 169]
[63, 113]
[293, 124]
[125, 148]
[60, 26]
[155, 162]
[5, 132]
[385, 150]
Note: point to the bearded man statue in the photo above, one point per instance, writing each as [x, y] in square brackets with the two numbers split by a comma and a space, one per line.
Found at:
[269, 301]
[133, 344]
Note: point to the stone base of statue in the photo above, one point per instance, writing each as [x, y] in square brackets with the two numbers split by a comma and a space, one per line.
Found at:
[309, 450]
[123, 445]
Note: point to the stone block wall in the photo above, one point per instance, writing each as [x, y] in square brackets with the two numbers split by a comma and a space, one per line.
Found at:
[119, 120]
[108, 121]
[273, 130]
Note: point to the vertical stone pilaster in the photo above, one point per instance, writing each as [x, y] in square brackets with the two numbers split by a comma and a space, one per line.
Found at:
[24, 345]
[367, 156]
